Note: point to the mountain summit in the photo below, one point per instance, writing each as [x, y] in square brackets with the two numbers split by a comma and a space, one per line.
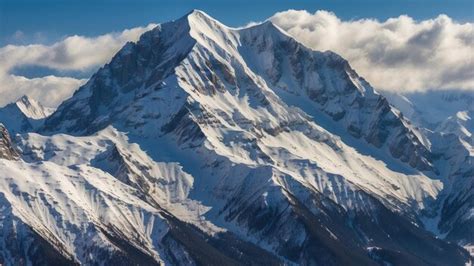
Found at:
[204, 144]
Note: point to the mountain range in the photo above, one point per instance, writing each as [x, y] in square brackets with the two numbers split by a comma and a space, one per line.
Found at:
[205, 144]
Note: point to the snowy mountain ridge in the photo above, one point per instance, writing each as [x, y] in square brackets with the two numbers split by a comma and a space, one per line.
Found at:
[199, 135]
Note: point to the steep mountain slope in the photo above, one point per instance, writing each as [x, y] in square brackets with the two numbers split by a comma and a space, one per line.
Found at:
[206, 144]
[325, 81]
[445, 117]
[7, 151]
[86, 215]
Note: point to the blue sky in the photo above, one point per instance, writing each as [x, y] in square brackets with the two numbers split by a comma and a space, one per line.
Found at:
[49, 20]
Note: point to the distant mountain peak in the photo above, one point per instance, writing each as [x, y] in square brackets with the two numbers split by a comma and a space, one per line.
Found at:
[31, 108]
[26, 114]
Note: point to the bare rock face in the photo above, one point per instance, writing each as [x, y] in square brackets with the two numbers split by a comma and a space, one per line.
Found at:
[7, 151]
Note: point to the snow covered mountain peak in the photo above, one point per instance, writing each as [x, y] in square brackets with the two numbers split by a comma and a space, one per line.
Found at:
[199, 16]
[32, 109]
[270, 59]
[24, 115]
[235, 92]
[204, 144]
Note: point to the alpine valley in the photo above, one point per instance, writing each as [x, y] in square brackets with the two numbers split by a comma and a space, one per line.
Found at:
[202, 144]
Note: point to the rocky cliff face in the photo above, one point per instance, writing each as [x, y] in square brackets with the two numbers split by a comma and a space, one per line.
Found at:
[7, 151]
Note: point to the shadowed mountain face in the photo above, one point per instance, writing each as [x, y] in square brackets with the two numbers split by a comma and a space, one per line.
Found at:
[7, 151]
[445, 117]
[203, 144]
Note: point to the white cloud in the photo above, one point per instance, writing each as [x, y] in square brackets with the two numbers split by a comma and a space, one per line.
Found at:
[399, 54]
[73, 53]
[49, 90]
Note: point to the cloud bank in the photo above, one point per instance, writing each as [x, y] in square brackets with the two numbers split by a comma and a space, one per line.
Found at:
[75, 53]
[398, 55]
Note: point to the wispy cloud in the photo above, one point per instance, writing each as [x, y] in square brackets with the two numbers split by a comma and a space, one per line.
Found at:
[399, 54]
[72, 53]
